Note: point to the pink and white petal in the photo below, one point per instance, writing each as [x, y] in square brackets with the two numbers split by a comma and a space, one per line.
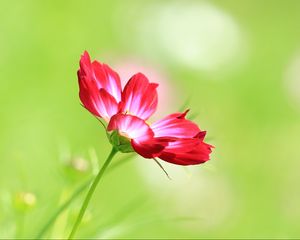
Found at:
[139, 97]
[101, 74]
[175, 125]
[130, 126]
[106, 105]
[140, 134]
[99, 102]
[108, 79]
[182, 145]
[89, 95]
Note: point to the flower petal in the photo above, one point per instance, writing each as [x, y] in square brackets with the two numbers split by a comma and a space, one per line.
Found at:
[88, 94]
[107, 105]
[139, 97]
[186, 152]
[149, 148]
[130, 126]
[175, 125]
[108, 79]
[101, 74]
[100, 103]
[99, 88]
[185, 140]
[140, 134]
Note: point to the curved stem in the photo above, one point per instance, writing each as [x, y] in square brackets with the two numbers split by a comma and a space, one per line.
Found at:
[90, 192]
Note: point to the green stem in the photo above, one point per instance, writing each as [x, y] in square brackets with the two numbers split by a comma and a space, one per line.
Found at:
[91, 191]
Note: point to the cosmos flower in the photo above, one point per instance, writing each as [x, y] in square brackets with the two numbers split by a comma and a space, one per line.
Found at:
[125, 114]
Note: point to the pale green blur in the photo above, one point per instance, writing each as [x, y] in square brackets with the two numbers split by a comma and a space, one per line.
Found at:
[238, 63]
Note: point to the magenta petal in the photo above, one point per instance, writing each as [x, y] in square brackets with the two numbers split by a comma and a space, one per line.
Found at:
[140, 134]
[108, 79]
[175, 125]
[99, 88]
[106, 105]
[186, 152]
[148, 148]
[139, 97]
[185, 146]
[88, 94]
[130, 126]
[101, 74]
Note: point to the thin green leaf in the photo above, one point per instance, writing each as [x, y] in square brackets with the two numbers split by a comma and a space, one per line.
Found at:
[76, 194]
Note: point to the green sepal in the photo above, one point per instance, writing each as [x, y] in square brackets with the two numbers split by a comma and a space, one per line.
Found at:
[120, 142]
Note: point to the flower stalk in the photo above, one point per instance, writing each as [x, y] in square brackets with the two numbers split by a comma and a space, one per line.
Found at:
[91, 191]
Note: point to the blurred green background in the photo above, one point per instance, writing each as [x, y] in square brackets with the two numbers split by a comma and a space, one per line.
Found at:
[237, 61]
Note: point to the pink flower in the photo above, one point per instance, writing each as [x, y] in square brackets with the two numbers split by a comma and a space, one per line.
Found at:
[174, 138]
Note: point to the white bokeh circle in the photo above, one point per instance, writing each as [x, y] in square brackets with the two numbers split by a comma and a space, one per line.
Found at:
[198, 35]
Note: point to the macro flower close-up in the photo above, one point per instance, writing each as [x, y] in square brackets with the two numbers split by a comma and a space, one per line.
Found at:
[174, 138]
[124, 114]
[133, 119]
